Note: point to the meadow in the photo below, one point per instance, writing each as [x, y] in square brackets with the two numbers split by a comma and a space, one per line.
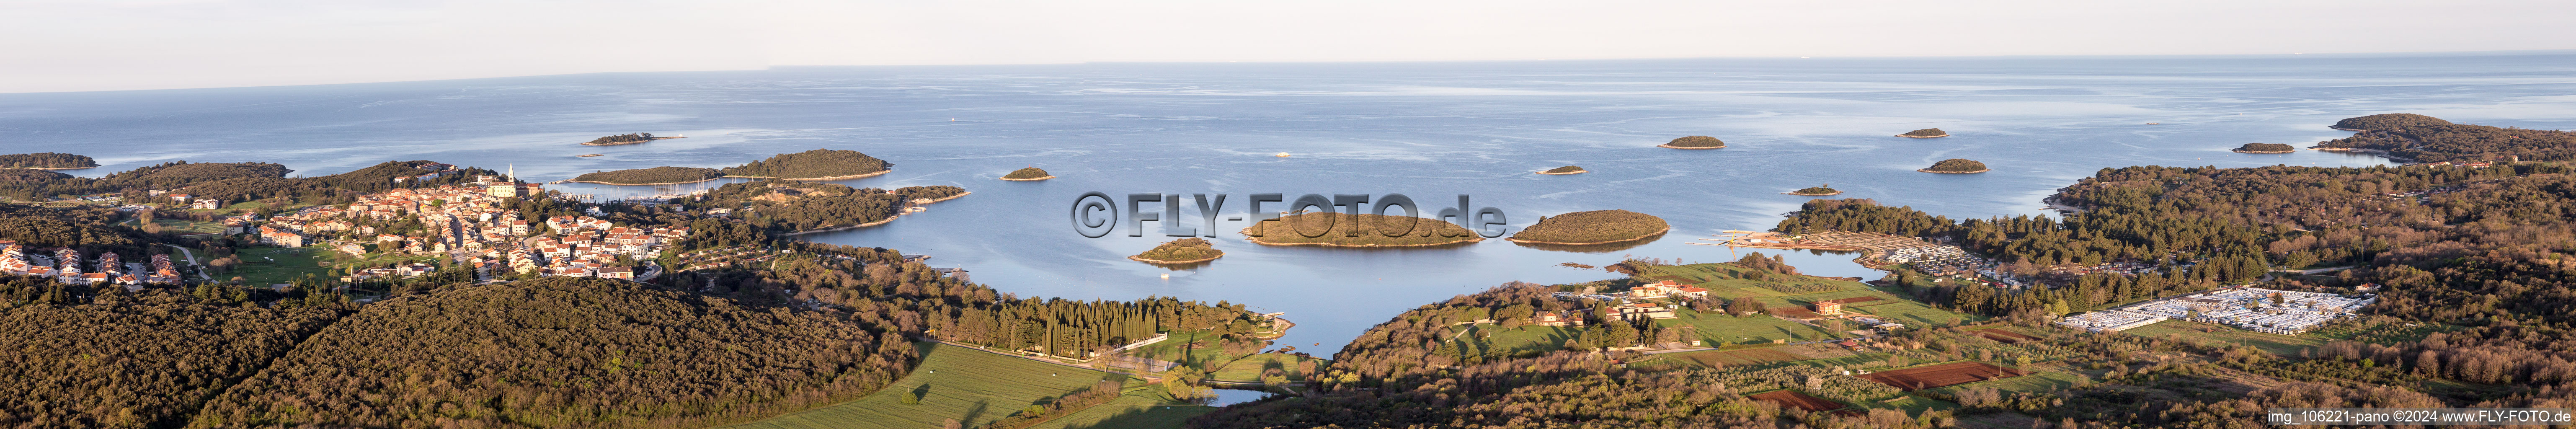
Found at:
[973, 386]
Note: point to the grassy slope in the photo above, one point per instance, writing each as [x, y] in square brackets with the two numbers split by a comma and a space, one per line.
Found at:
[970, 385]
[1720, 328]
[272, 265]
[1142, 407]
[1249, 368]
[1177, 349]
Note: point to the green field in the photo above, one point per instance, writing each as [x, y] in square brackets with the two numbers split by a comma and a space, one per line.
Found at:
[969, 385]
[1249, 368]
[1725, 281]
[1526, 337]
[1720, 328]
[262, 266]
[1178, 349]
[1912, 313]
[1141, 407]
[2275, 343]
[187, 227]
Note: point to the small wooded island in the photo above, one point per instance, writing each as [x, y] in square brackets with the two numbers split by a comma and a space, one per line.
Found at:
[1182, 251]
[1564, 170]
[1592, 227]
[625, 139]
[1356, 230]
[1026, 174]
[1695, 142]
[1955, 166]
[47, 161]
[2265, 148]
[1817, 191]
[818, 164]
[1925, 133]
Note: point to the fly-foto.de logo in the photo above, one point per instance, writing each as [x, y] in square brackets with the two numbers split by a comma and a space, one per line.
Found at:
[1096, 215]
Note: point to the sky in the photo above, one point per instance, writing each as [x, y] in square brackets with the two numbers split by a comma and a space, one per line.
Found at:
[93, 45]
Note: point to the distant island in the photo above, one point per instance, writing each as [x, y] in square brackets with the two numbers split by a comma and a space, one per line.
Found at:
[1925, 133]
[651, 176]
[1182, 251]
[2265, 148]
[1027, 174]
[47, 161]
[1564, 170]
[1694, 142]
[1356, 230]
[1818, 191]
[1955, 166]
[624, 139]
[2388, 122]
[1592, 227]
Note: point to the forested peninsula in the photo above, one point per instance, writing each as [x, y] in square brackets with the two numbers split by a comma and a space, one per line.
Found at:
[2425, 139]
[47, 161]
[818, 164]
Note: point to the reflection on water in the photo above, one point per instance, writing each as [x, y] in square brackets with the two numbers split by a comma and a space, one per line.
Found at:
[1226, 397]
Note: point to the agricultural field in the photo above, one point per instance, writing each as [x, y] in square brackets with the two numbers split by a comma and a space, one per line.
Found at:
[1941, 375]
[972, 386]
[1725, 358]
[1718, 328]
[1726, 281]
[1179, 349]
[2036, 383]
[1249, 368]
[1910, 313]
[1526, 337]
[1791, 398]
[263, 266]
[2278, 344]
[2003, 335]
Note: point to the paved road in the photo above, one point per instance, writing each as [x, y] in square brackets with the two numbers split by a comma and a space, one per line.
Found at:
[192, 261]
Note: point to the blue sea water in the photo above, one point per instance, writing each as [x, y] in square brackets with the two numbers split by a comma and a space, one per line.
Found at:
[1427, 130]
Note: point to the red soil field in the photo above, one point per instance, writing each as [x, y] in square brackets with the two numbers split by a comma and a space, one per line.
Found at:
[1791, 398]
[1948, 374]
[1794, 312]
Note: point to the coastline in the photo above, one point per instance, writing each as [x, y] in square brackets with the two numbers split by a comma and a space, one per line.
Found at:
[640, 184]
[54, 168]
[1566, 173]
[1670, 145]
[853, 176]
[869, 224]
[1927, 170]
[952, 197]
[1921, 137]
[1666, 229]
[1032, 179]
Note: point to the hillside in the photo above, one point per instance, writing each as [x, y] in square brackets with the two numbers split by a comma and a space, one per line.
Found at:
[812, 164]
[1334, 229]
[1592, 227]
[564, 352]
[136, 361]
[650, 176]
[46, 160]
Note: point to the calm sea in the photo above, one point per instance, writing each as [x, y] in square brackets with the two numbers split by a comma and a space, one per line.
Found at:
[1428, 130]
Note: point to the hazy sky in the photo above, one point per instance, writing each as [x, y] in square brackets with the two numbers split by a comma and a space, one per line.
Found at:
[84, 45]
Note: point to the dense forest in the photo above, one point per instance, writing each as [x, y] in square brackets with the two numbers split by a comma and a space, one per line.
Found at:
[1956, 165]
[1695, 142]
[239, 182]
[818, 163]
[792, 206]
[135, 361]
[46, 160]
[655, 175]
[2422, 138]
[1592, 227]
[89, 229]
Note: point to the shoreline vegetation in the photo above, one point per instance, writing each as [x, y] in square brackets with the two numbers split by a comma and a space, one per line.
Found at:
[1695, 142]
[2412, 138]
[2265, 148]
[821, 164]
[1028, 174]
[1592, 227]
[1565, 170]
[960, 194]
[47, 161]
[1924, 133]
[1182, 251]
[1817, 191]
[1955, 166]
[626, 139]
[1357, 230]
